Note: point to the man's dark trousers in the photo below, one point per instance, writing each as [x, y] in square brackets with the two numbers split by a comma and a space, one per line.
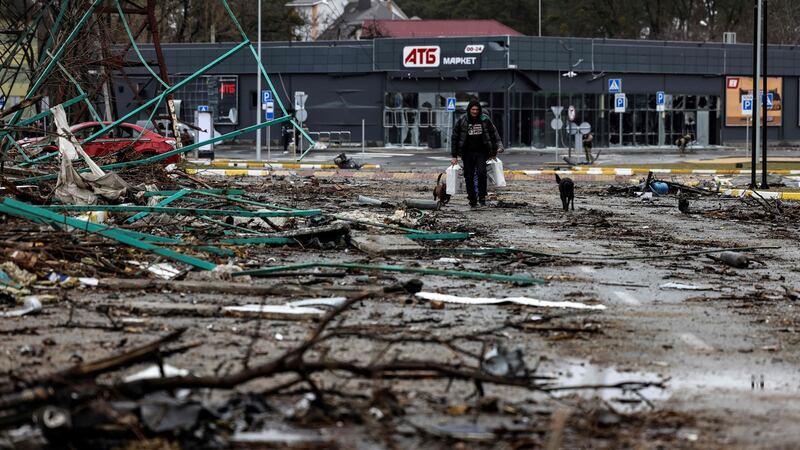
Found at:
[475, 165]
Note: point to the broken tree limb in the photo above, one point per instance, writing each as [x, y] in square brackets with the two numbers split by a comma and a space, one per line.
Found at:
[377, 225]
[45, 388]
[207, 287]
[423, 271]
[681, 254]
[185, 211]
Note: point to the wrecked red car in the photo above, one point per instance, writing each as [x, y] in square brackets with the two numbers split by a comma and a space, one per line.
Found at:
[123, 136]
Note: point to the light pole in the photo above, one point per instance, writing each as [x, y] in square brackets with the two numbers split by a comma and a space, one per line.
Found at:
[258, 89]
[540, 18]
[569, 74]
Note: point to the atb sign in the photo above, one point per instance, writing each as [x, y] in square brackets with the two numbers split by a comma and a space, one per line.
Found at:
[660, 101]
[747, 105]
[619, 103]
[422, 56]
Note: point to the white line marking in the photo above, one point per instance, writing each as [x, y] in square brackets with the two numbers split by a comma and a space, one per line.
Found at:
[695, 342]
[626, 298]
[587, 269]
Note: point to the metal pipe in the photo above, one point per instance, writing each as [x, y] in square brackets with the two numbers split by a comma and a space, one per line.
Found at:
[755, 143]
[156, 158]
[258, 89]
[162, 70]
[764, 43]
[167, 92]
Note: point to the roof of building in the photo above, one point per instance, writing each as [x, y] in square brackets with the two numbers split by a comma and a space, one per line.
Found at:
[355, 15]
[436, 28]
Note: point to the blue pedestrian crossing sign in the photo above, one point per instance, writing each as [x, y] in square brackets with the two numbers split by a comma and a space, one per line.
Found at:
[451, 104]
[769, 100]
[266, 95]
[614, 85]
[202, 108]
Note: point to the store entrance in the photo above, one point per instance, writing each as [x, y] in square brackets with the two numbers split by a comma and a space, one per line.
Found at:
[416, 120]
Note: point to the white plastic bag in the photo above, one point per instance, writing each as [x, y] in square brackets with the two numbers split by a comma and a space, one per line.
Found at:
[454, 179]
[494, 172]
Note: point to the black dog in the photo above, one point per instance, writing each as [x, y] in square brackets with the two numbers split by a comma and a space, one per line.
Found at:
[440, 191]
[566, 187]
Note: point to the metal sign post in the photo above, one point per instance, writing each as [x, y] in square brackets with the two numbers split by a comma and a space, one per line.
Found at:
[571, 114]
[557, 123]
[269, 114]
[619, 107]
[747, 110]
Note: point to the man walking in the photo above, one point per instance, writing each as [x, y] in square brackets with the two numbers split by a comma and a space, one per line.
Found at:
[475, 139]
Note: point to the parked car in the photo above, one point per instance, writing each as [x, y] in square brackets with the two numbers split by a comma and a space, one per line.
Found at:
[123, 136]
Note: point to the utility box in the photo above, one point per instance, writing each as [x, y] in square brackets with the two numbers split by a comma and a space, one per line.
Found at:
[206, 132]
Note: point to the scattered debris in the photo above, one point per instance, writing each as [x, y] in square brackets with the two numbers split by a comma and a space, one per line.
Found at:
[385, 244]
[685, 287]
[343, 162]
[733, 259]
[30, 305]
[515, 300]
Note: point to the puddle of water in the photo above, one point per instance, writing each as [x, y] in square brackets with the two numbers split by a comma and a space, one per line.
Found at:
[586, 374]
[766, 380]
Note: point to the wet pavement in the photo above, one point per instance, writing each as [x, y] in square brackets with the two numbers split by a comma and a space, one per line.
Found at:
[702, 355]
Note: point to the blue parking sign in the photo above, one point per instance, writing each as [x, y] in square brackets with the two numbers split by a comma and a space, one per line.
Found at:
[660, 98]
[266, 96]
[747, 105]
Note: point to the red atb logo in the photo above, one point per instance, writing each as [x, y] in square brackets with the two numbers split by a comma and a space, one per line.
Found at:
[421, 56]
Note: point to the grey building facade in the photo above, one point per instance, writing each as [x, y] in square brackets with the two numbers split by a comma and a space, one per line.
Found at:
[400, 87]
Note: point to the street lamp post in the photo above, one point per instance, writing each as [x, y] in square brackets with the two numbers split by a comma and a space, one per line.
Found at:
[258, 89]
[570, 74]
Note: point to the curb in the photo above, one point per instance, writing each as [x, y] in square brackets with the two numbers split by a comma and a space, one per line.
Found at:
[378, 174]
[223, 164]
[771, 195]
[627, 171]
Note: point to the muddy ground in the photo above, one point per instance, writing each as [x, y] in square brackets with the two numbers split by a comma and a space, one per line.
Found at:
[723, 350]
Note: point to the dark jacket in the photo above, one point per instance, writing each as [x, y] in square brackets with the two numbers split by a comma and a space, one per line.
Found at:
[491, 138]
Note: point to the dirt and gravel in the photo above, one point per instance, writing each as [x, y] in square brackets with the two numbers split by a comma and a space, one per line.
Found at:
[710, 346]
